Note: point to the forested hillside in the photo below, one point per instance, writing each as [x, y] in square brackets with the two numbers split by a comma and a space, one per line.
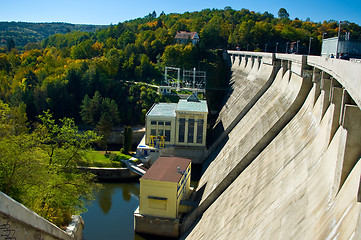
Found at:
[102, 78]
[23, 33]
[59, 72]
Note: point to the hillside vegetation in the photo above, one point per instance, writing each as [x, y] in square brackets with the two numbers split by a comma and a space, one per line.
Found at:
[64, 70]
[104, 78]
[23, 32]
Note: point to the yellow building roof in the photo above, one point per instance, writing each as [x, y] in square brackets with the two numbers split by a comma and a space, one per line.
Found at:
[168, 169]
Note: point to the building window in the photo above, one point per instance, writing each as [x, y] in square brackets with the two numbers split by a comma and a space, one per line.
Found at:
[153, 122]
[200, 131]
[167, 123]
[160, 132]
[190, 130]
[157, 202]
[160, 123]
[182, 128]
[167, 135]
[153, 132]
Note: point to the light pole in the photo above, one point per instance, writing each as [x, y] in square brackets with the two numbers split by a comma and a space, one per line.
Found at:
[309, 45]
[297, 47]
[287, 47]
[338, 37]
[247, 46]
[323, 35]
[265, 47]
[276, 47]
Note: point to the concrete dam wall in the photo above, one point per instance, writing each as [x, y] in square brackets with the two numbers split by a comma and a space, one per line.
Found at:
[287, 164]
[19, 222]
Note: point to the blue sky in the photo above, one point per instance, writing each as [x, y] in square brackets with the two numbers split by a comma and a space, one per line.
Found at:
[105, 12]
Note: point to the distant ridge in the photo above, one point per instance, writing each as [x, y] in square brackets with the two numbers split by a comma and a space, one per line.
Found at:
[26, 32]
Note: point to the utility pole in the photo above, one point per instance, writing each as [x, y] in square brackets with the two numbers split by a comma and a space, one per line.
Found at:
[178, 79]
[298, 51]
[338, 37]
[194, 78]
[309, 45]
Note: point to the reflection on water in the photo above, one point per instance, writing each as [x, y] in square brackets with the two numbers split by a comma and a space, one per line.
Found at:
[111, 214]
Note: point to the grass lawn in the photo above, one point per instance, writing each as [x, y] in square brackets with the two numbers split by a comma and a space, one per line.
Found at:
[100, 159]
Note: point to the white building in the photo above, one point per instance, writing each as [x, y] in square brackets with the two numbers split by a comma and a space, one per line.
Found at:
[337, 46]
[181, 125]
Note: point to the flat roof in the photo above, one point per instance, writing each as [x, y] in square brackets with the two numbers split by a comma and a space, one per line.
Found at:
[163, 109]
[166, 169]
[191, 106]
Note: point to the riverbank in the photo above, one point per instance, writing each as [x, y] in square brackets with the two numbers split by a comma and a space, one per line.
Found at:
[111, 174]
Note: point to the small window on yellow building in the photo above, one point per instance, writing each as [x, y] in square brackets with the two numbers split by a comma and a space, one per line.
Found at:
[157, 202]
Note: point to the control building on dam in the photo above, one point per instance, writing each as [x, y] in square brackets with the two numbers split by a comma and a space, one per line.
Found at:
[285, 164]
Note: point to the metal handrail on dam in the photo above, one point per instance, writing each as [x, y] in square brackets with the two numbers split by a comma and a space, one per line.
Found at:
[287, 166]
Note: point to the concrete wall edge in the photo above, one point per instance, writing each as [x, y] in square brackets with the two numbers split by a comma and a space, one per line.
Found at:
[9, 207]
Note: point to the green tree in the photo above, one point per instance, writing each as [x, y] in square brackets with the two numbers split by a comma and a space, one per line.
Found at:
[38, 167]
[283, 14]
[126, 38]
[172, 55]
[83, 50]
[10, 44]
[102, 113]
[146, 69]
[128, 138]
[104, 128]
[4, 62]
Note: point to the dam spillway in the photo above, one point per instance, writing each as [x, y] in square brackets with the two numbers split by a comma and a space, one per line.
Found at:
[286, 163]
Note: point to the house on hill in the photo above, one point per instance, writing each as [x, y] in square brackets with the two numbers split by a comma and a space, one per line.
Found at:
[184, 37]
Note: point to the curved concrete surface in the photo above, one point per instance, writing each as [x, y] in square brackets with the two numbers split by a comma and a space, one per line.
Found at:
[290, 190]
[246, 88]
[250, 136]
[346, 72]
[284, 172]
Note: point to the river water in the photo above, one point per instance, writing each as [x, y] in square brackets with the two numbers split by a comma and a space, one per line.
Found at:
[110, 216]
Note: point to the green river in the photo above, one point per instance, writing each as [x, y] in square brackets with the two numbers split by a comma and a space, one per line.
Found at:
[110, 216]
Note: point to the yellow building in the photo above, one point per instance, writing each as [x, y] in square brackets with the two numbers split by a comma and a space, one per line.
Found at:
[177, 124]
[163, 188]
